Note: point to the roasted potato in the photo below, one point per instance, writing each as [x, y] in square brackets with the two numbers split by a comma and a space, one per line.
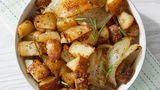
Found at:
[133, 30]
[65, 23]
[38, 70]
[81, 84]
[69, 78]
[28, 62]
[64, 69]
[53, 49]
[46, 21]
[105, 33]
[74, 33]
[29, 48]
[125, 20]
[25, 28]
[78, 64]
[32, 36]
[80, 49]
[42, 3]
[50, 83]
[114, 6]
[67, 8]
[54, 66]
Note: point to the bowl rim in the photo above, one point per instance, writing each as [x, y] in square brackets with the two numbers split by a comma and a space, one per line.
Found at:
[140, 57]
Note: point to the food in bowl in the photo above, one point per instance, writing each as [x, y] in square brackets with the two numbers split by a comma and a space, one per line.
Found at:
[85, 44]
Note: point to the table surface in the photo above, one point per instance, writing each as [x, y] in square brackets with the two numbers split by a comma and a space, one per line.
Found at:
[11, 77]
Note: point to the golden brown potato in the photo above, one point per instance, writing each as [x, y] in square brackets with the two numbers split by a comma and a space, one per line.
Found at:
[105, 33]
[81, 84]
[114, 6]
[46, 21]
[125, 20]
[133, 30]
[64, 69]
[65, 23]
[48, 35]
[74, 33]
[53, 49]
[69, 78]
[54, 66]
[32, 36]
[38, 70]
[29, 48]
[50, 83]
[25, 28]
[42, 3]
[67, 8]
[80, 49]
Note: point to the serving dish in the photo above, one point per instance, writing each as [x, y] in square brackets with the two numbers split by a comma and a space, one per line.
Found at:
[139, 62]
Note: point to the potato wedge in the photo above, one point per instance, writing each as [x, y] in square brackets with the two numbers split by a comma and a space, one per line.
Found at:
[50, 83]
[80, 49]
[54, 66]
[65, 23]
[25, 28]
[29, 48]
[74, 33]
[46, 21]
[67, 8]
[53, 49]
[38, 70]
[125, 20]
[114, 6]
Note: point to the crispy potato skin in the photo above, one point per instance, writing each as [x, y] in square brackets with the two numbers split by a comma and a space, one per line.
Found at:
[53, 49]
[29, 48]
[45, 21]
[50, 83]
[25, 28]
[38, 70]
[42, 3]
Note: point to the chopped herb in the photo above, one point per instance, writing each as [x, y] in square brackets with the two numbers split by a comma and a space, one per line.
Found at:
[110, 69]
[123, 32]
[80, 19]
[91, 21]
[93, 37]
[99, 32]
[95, 23]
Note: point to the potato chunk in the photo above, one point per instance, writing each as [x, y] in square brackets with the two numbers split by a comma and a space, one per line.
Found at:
[29, 48]
[42, 3]
[125, 20]
[25, 28]
[74, 33]
[54, 66]
[50, 83]
[53, 49]
[69, 78]
[67, 8]
[38, 70]
[45, 21]
[114, 6]
[65, 23]
[80, 49]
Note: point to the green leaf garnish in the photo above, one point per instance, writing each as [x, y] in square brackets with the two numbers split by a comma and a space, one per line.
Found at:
[95, 23]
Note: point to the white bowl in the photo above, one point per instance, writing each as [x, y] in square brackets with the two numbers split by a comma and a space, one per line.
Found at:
[139, 62]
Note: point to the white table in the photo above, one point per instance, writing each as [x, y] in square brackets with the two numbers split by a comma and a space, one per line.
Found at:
[11, 77]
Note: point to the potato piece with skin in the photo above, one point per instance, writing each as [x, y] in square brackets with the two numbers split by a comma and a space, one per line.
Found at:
[38, 70]
[54, 66]
[50, 83]
[29, 48]
[125, 20]
[74, 33]
[65, 23]
[25, 28]
[68, 8]
[46, 21]
[80, 49]
[114, 6]
[53, 49]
